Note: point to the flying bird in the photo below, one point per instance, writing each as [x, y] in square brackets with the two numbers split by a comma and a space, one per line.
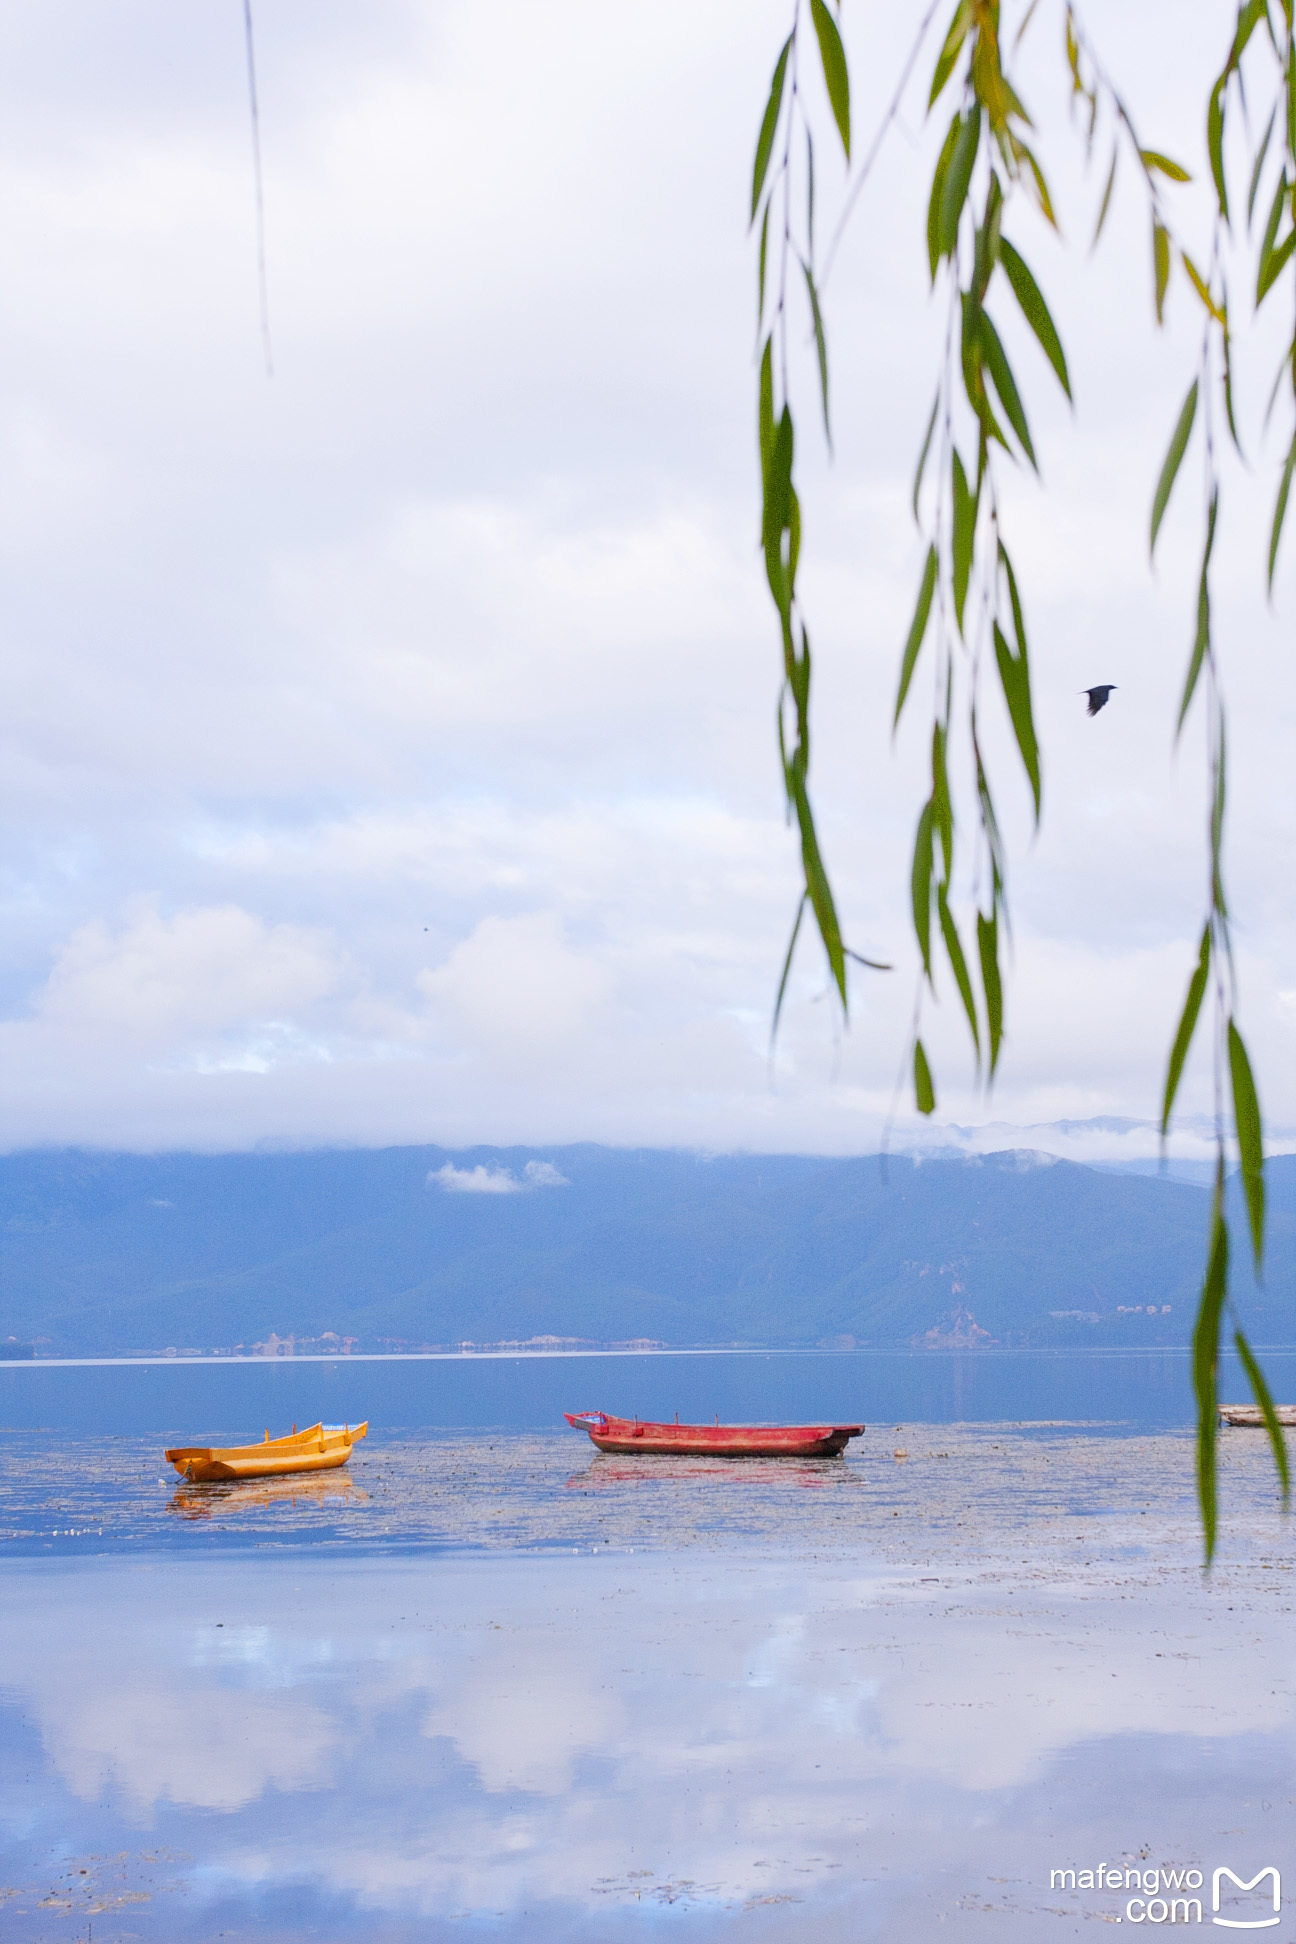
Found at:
[1098, 696]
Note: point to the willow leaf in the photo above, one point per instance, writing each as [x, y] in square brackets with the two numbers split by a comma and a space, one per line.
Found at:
[958, 964]
[922, 456]
[836, 78]
[942, 808]
[1260, 1392]
[769, 126]
[1250, 1138]
[1105, 204]
[1162, 164]
[917, 631]
[1271, 229]
[992, 985]
[1014, 674]
[1258, 169]
[1186, 1028]
[1201, 641]
[965, 514]
[787, 967]
[939, 175]
[920, 887]
[1215, 142]
[816, 881]
[1202, 288]
[1160, 264]
[821, 346]
[1210, 1308]
[958, 177]
[1173, 461]
[1274, 265]
[949, 53]
[1280, 509]
[1035, 310]
[1005, 384]
[765, 411]
[924, 1092]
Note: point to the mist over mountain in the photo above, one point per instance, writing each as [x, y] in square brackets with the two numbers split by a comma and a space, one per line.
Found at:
[423, 1247]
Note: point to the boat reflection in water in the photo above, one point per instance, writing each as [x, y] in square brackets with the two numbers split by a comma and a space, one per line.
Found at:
[334, 1490]
[612, 1468]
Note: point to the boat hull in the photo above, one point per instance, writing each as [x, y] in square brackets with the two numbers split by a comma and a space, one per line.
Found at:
[321, 1448]
[1251, 1418]
[636, 1437]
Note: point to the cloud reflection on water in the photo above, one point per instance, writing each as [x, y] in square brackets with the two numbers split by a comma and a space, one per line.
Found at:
[518, 1735]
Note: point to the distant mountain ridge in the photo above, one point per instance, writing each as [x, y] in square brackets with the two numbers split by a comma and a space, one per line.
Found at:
[429, 1247]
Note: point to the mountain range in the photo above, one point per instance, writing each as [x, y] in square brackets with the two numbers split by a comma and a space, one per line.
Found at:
[421, 1247]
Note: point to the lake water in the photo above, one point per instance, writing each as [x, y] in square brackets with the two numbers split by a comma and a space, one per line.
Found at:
[490, 1684]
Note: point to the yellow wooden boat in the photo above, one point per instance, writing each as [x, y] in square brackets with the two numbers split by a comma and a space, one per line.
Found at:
[322, 1448]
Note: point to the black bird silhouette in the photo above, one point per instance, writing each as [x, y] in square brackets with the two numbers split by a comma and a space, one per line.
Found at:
[1098, 696]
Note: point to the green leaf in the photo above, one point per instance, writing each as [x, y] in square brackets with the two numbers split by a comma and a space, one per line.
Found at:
[1035, 311]
[1249, 18]
[1217, 819]
[988, 951]
[942, 808]
[972, 353]
[1280, 509]
[1037, 182]
[769, 126]
[765, 410]
[1019, 625]
[821, 346]
[816, 879]
[922, 456]
[1105, 204]
[760, 274]
[939, 175]
[787, 967]
[1258, 169]
[1260, 1392]
[1173, 461]
[1250, 1138]
[1274, 265]
[950, 51]
[1201, 641]
[1271, 230]
[1164, 166]
[1202, 288]
[1210, 1308]
[958, 964]
[1014, 674]
[836, 77]
[1160, 264]
[1186, 1028]
[1215, 142]
[924, 1092]
[780, 503]
[1005, 384]
[920, 887]
[965, 515]
[917, 630]
[958, 178]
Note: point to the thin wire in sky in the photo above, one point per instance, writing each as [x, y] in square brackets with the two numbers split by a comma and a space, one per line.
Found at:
[260, 198]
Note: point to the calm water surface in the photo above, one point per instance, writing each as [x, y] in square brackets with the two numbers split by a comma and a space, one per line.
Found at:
[491, 1684]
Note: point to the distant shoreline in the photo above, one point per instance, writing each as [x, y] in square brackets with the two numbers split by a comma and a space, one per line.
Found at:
[542, 1356]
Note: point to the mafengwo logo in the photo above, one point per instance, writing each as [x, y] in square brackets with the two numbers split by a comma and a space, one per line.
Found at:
[1165, 1896]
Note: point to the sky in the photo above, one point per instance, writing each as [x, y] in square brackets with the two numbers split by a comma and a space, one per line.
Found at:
[388, 743]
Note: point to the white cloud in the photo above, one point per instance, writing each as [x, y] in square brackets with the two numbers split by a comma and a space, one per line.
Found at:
[497, 1181]
[397, 763]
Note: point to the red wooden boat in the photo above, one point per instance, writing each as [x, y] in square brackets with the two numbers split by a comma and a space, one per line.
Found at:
[715, 1440]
